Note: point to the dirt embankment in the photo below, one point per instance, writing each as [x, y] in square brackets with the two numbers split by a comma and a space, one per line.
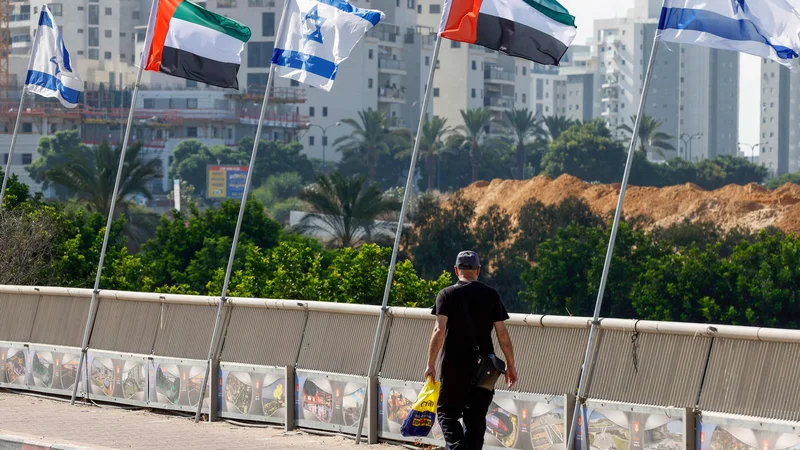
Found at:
[751, 206]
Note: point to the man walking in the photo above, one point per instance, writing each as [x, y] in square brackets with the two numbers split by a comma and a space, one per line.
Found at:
[465, 315]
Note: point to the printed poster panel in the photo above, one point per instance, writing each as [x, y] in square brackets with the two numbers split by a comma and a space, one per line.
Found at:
[715, 434]
[330, 401]
[252, 393]
[15, 370]
[53, 369]
[515, 421]
[175, 384]
[118, 376]
[226, 182]
[615, 426]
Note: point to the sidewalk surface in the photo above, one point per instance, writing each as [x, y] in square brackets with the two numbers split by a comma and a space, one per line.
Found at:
[34, 423]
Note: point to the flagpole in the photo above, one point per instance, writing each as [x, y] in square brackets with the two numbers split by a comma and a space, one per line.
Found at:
[6, 175]
[93, 305]
[406, 198]
[585, 371]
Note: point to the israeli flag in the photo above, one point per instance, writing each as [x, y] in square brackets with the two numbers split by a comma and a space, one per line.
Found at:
[50, 71]
[317, 36]
[764, 28]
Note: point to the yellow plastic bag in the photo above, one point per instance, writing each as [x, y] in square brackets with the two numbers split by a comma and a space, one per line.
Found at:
[420, 419]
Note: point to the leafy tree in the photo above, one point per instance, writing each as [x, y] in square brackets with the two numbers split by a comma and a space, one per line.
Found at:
[558, 124]
[275, 157]
[476, 123]
[726, 169]
[776, 183]
[522, 123]
[54, 151]
[431, 146]
[370, 137]
[588, 152]
[346, 207]
[649, 137]
[16, 193]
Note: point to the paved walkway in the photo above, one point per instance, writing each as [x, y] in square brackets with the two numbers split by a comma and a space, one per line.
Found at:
[45, 423]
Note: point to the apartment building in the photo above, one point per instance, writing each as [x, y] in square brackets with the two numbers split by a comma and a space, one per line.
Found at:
[780, 119]
[567, 90]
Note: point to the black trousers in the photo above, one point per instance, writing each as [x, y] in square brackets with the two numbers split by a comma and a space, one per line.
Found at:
[459, 401]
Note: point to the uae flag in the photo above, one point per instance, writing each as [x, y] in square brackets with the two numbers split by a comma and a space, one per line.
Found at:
[188, 41]
[538, 30]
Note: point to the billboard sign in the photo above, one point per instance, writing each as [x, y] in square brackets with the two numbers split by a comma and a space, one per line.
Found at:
[226, 182]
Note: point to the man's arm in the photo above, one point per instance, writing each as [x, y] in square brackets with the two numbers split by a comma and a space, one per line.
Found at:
[437, 340]
[508, 351]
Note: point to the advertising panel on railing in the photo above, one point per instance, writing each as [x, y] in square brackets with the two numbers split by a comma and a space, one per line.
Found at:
[604, 426]
[175, 384]
[117, 376]
[514, 421]
[329, 401]
[252, 392]
[226, 182]
[721, 432]
[15, 364]
[53, 369]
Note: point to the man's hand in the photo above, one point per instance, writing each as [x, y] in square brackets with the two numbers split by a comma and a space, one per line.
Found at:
[511, 376]
[430, 372]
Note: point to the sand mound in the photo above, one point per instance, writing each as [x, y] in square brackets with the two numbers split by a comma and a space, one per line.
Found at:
[751, 206]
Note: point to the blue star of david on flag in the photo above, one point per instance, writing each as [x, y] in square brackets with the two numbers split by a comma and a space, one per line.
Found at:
[737, 5]
[316, 23]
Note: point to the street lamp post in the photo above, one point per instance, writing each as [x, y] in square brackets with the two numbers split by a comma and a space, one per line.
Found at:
[752, 150]
[324, 139]
[687, 143]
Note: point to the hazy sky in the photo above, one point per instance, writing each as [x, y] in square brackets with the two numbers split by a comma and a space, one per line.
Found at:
[586, 11]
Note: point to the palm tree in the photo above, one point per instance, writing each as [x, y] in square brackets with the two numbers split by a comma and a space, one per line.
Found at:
[523, 124]
[557, 125]
[431, 146]
[649, 136]
[370, 137]
[90, 173]
[476, 121]
[347, 207]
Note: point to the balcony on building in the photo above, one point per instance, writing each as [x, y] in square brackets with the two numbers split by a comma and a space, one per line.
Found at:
[499, 103]
[391, 66]
[396, 123]
[495, 74]
[386, 34]
[392, 94]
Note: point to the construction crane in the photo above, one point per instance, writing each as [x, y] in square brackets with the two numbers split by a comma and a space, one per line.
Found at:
[5, 50]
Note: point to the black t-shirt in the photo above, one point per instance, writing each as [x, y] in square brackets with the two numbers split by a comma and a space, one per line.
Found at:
[484, 307]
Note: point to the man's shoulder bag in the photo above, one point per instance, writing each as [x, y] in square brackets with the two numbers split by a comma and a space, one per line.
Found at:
[490, 367]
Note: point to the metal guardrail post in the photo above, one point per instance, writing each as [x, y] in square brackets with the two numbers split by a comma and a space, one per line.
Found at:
[689, 429]
[373, 405]
[569, 410]
[291, 398]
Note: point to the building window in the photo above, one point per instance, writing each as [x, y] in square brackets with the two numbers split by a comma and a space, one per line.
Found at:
[191, 131]
[94, 53]
[94, 14]
[94, 37]
[27, 158]
[149, 103]
[410, 4]
[324, 111]
[108, 11]
[474, 94]
[107, 55]
[524, 98]
[27, 127]
[435, 92]
[311, 111]
[226, 3]
[257, 80]
[294, 83]
[80, 30]
[135, 15]
[474, 65]
[80, 8]
[435, 8]
[56, 9]
[259, 54]
[524, 70]
[369, 83]
[427, 61]
[369, 54]
[108, 33]
[455, 44]
[191, 103]
[311, 140]
[192, 83]
[419, 9]
[268, 24]
[80, 52]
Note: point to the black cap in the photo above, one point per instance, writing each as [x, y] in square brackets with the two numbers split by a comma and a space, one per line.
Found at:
[468, 260]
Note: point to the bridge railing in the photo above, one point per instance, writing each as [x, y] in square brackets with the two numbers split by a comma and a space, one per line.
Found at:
[304, 363]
